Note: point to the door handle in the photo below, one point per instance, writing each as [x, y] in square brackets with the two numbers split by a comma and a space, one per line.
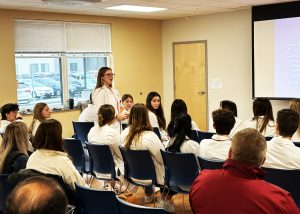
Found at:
[201, 92]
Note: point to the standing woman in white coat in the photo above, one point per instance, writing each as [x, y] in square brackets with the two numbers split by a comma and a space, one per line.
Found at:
[105, 94]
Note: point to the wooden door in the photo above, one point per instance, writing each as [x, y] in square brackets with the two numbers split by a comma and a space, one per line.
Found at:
[190, 79]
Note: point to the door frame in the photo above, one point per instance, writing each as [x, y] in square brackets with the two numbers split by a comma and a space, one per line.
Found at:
[206, 74]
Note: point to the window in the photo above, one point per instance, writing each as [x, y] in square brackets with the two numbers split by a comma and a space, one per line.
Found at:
[54, 64]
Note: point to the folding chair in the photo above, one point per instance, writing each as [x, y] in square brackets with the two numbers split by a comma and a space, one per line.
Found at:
[81, 130]
[5, 189]
[93, 201]
[210, 164]
[286, 179]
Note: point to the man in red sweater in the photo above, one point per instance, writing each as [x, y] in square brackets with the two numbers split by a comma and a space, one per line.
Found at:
[238, 188]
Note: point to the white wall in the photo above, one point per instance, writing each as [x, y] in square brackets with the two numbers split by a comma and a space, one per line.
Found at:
[229, 51]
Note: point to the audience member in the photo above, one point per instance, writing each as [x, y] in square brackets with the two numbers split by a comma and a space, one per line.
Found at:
[218, 146]
[41, 112]
[104, 134]
[178, 107]
[156, 114]
[295, 105]
[9, 113]
[238, 187]
[104, 93]
[231, 106]
[139, 136]
[50, 156]
[13, 150]
[281, 152]
[127, 101]
[181, 142]
[263, 119]
[37, 195]
[89, 114]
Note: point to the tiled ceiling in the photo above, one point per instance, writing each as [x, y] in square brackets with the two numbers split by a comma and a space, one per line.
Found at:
[176, 8]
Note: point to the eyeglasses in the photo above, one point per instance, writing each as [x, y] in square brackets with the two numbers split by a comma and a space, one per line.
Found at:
[110, 75]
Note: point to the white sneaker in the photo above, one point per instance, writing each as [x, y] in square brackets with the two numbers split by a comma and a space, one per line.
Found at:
[148, 199]
[166, 205]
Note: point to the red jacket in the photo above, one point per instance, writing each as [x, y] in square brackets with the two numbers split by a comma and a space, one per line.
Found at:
[238, 188]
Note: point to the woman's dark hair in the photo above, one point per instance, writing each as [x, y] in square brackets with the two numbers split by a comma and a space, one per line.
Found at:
[106, 114]
[182, 129]
[5, 109]
[178, 107]
[262, 107]
[126, 96]
[49, 136]
[158, 112]
[229, 105]
[100, 75]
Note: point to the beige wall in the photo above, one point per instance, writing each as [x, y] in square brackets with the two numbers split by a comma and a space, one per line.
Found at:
[228, 37]
[137, 54]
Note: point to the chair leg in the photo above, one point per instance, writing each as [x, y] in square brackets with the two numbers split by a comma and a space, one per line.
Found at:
[183, 203]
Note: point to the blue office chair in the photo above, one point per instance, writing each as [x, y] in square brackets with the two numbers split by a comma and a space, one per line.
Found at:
[128, 208]
[5, 189]
[102, 161]
[79, 157]
[297, 144]
[157, 132]
[286, 179]
[181, 169]
[81, 130]
[195, 136]
[210, 164]
[93, 201]
[205, 135]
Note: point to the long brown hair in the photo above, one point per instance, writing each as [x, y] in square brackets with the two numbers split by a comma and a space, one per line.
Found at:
[37, 114]
[101, 73]
[14, 138]
[138, 123]
[262, 107]
[158, 112]
[295, 105]
[49, 136]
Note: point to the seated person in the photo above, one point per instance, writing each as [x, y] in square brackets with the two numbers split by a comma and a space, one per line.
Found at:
[13, 150]
[37, 195]
[127, 102]
[218, 146]
[41, 112]
[9, 113]
[103, 134]
[281, 152]
[50, 156]
[89, 114]
[238, 187]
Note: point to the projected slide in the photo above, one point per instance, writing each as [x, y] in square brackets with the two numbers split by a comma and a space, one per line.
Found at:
[277, 58]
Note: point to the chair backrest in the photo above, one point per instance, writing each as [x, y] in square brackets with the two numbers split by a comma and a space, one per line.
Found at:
[128, 208]
[75, 150]
[138, 164]
[157, 132]
[195, 136]
[5, 189]
[102, 159]
[124, 126]
[81, 130]
[286, 179]
[210, 164]
[93, 201]
[205, 135]
[297, 144]
[268, 138]
[181, 169]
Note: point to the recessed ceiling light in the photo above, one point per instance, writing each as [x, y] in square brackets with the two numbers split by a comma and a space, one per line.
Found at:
[136, 8]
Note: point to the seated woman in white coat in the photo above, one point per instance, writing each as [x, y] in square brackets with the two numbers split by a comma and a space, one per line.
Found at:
[295, 105]
[104, 134]
[263, 120]
[139, 136]
[41, 112]
[156, 114]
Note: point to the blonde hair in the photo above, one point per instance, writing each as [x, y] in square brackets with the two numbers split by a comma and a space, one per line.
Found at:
[37, 114]
[248, 145]
[138, 123]
[14, 138]
[295, 105]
